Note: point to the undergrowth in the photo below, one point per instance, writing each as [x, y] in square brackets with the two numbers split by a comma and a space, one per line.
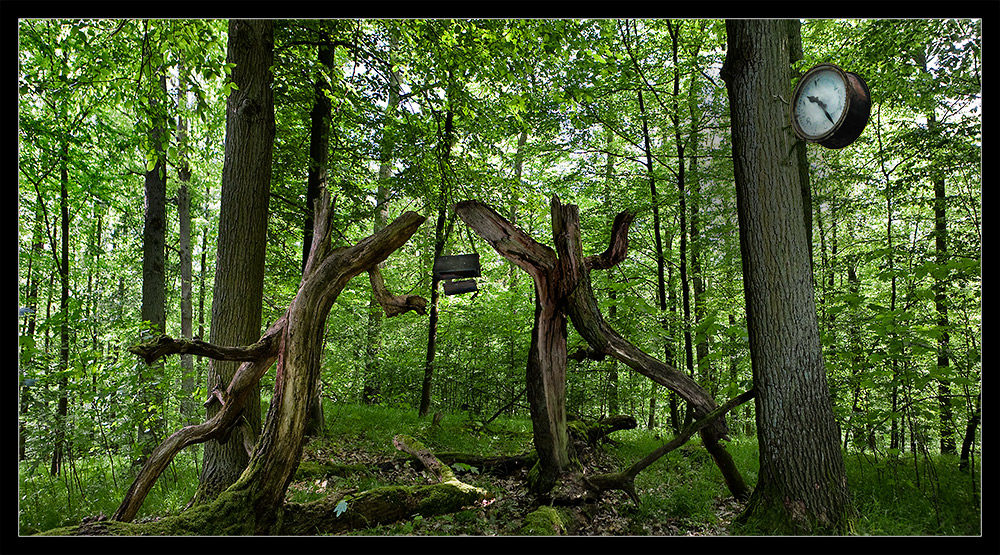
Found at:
[681, 494]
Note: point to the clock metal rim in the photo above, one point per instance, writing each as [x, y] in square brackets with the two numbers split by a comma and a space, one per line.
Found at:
[798, 91]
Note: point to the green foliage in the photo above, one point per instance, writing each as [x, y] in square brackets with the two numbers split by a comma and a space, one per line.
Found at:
[94, 487]
[570, 86]
[913, 495]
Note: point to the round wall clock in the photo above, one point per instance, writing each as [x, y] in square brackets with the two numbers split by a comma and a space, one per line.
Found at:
[830, 106]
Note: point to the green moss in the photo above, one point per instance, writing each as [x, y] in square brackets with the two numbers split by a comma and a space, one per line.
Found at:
[229, 515]
[577, 428]
[543, 521]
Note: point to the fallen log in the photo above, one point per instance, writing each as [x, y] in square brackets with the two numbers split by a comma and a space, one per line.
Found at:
[384, 505]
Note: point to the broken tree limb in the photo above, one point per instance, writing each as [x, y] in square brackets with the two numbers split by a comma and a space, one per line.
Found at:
[410, 445]
[394, 305]
[607, 426]
[220, 425]
[164, 345]
[625, 481]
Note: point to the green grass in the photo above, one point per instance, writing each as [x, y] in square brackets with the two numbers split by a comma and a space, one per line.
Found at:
[683, 492]
[88, 488]
[905, 496]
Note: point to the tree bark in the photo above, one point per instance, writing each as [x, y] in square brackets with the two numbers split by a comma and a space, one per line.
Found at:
[681, 210]
[661, 288]
[294, 341]
[441, 232]
[563, 283]
[188, 406]
[802, 486]
[153, 261]
[373, 343]
[242, 243]
[970, 435]
[554, 277]
[62, 262]
[316, 179]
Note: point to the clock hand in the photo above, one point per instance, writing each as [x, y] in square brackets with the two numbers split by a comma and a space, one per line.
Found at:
[822, 106]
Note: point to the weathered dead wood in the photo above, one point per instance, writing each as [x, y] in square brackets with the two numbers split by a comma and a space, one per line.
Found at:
[294, 341]
[410, 445]
[394, 305]
[584, 310]
[607, 426]
[164, 345]
[219, 426]
[625, 480]
[555, 276]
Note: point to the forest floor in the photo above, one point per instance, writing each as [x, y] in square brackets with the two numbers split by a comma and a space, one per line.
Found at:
[698, 503]
[681, 494]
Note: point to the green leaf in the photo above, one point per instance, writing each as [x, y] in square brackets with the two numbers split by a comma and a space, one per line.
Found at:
[340, 508]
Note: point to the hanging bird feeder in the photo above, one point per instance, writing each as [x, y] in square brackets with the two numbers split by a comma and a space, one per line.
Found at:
[459, 287]
[457, 266]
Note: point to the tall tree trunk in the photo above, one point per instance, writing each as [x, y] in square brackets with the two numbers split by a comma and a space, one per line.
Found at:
[970, 435]
[896, 427]
[373, 343]
[31, 304]
[661, 287]
[239, 266]
[154, 253]
[682, 212]
[319, 149]
[62, 410]
[203, 274]
[319, 143]
[802, 486]
[946, 418]
[794, 31]
[706, 375]
[441, 232]
[946, 424]
[189, 408]
[609, 180]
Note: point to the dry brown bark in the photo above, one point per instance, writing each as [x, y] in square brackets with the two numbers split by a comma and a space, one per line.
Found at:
[563, 285]
[555, 276]
[295, 342]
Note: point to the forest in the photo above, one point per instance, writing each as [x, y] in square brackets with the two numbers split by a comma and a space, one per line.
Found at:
[389, 277]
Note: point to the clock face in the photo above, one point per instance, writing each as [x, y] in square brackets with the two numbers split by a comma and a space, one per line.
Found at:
[820, 102]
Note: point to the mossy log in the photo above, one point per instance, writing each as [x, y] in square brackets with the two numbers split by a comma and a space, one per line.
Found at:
[384, 505]
[378, 506]
[548, 521]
